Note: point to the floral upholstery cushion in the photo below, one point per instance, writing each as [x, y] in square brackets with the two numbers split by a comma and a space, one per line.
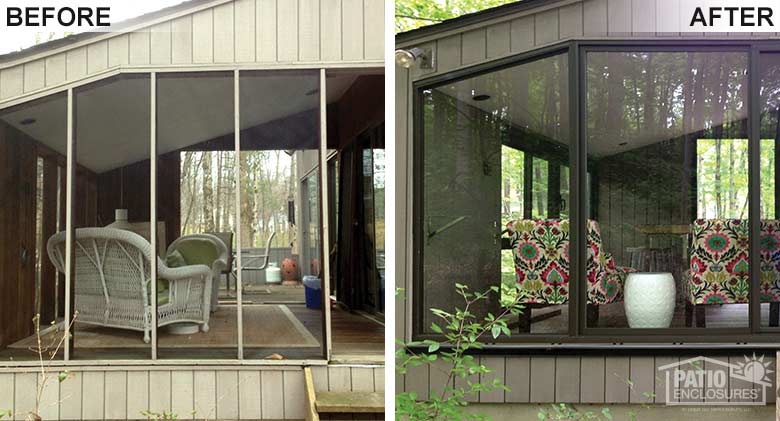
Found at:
[720, 268]
[541, 256]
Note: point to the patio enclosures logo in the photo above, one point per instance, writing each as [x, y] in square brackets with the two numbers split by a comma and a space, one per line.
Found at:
[710, 381]
[50, 16]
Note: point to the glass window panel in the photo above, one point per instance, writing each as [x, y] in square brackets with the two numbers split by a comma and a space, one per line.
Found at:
[356, 232]
[540, 177]
[667, 155]
[334, 166]
[196, 214]
[493, 148]
[281, 234]
[769, 66]
[33, 147]
[378, 199]
[112, 285]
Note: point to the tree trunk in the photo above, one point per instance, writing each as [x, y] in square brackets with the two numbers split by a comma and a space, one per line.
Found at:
[208, 194]
[616, 94]
[507, 199]
[732, 193]
[218, 204]
[247, 201]
[649, 103]
[718, 201]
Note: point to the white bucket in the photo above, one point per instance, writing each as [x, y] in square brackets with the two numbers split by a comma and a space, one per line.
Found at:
[273, 275]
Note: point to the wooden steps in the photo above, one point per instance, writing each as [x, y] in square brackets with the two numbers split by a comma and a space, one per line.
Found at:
[318, 403]
[350, 402]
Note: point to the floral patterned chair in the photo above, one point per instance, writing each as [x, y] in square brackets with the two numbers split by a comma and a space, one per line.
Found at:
[541, 257]
[719, 268]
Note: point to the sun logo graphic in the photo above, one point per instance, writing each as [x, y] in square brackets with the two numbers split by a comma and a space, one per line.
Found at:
[718, 381]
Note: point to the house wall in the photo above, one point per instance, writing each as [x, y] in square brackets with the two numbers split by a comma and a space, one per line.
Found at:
[568, 378]
[623, 412]
[361, 108]
[320, 33]
[128, 188]
[19, 155]
[215, 392]
[18, 186]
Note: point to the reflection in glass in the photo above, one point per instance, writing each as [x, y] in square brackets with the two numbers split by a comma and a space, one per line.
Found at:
[33, 151]
[667, 157]
[495, 152]
[769, 66]
[374, 214]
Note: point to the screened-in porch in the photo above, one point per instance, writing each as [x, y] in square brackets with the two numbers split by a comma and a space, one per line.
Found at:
[198, 204]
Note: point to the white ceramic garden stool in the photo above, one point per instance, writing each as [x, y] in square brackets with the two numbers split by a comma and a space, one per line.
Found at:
[649, 299]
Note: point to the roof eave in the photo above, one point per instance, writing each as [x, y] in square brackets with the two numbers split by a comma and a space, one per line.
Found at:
[129, 25]
[410, 37]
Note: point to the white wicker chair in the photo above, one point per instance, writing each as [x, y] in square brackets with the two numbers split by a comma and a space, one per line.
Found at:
[112, 282]
[217, 267]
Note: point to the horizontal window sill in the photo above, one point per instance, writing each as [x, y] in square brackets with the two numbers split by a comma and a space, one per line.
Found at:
[135, 365]
[637, 348]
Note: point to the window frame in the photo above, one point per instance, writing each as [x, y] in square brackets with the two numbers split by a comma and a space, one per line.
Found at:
[579, 335]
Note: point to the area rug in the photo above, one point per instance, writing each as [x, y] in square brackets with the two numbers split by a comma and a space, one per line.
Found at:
[265, 326]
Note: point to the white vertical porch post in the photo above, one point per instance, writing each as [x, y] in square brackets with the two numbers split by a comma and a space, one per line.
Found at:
[153, 204]
[324, 206]
[237, 140]
[71, 171]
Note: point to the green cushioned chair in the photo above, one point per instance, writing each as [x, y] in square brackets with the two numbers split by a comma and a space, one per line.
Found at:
[200, 249]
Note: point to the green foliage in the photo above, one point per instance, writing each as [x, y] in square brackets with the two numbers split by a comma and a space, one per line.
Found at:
[6, 413]
[562, 411]
[165, 415]
[411, 14]
[463, 331]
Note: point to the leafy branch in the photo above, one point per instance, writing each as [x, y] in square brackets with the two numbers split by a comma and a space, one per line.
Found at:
[463, 332]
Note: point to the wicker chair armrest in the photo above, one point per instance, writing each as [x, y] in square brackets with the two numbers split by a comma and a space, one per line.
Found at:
[184, 272]
[219, 266]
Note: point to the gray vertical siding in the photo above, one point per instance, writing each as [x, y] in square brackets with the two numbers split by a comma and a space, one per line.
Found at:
[271, 32]
[553, 22]
[569, 379]
[120, 393]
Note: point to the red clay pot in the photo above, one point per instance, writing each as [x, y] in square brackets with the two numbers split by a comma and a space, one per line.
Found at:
[289, 270]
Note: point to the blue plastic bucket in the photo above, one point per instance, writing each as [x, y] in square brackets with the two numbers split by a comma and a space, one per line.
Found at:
[313, 289]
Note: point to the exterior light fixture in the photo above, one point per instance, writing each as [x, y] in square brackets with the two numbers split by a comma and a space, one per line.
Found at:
[28, 121]
[481, 97]
[407, 58]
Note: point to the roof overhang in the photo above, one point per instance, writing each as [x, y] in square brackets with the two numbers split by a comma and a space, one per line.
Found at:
[88, 37]
[464, 22]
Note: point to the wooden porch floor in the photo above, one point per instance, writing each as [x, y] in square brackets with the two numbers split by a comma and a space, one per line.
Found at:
[355, 338]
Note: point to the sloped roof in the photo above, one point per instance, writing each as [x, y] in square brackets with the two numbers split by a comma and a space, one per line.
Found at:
[115, 27]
